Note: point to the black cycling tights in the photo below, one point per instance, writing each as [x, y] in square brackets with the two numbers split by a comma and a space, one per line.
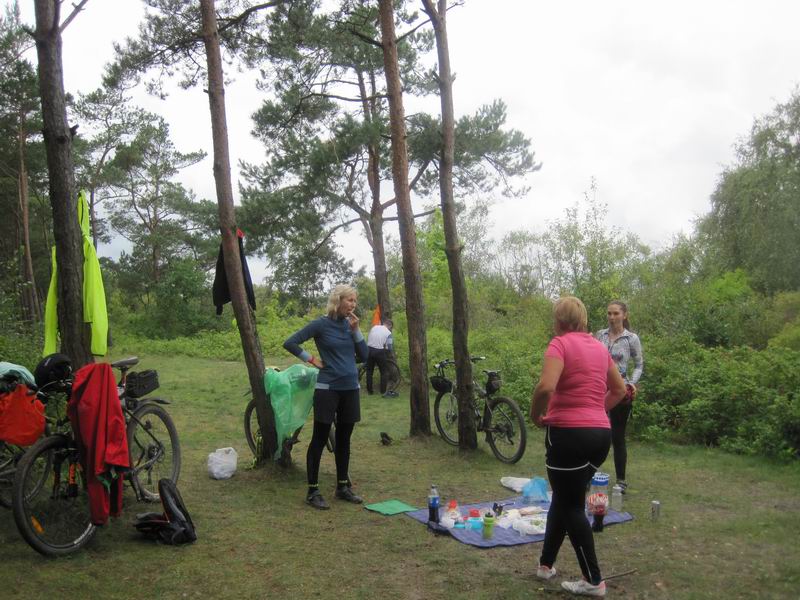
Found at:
[618, 416]
[321, 431]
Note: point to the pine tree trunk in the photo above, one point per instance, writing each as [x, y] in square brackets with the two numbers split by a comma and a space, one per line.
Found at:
[467, 435]
[379, 261]
[245, 319]
[375, 234]
[31, 306]
[417, 342]
[58, 144]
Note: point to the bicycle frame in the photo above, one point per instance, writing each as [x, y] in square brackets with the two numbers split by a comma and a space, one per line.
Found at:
[129, 406]
[482, 413]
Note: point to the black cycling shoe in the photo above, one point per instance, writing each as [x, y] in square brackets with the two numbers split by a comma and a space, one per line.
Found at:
[345, 493]
[316, 500]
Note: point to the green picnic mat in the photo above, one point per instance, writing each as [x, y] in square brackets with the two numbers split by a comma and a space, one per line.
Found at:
[389, 507]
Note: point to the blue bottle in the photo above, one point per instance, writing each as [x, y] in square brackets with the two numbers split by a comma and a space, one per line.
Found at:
[433, 505]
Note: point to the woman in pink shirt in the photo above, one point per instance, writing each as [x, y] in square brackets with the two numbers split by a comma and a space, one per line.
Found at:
[578, 384]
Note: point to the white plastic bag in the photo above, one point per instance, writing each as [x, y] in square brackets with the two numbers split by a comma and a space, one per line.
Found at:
[514, 483]
[222, 463]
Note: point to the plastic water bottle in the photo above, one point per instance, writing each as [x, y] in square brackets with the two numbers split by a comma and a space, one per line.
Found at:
[488, 526]
[597, 502]
[616, 498]
[433, 504]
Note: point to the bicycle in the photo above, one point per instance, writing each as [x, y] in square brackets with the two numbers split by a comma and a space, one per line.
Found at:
[393, 376]
[499, 417]
[50, 498]
[252, 430]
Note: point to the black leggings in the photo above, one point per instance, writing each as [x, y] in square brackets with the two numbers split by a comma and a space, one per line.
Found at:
[573, 456]
[619, 416]
[321, 431]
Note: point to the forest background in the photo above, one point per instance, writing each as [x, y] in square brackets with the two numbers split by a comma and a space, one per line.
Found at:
[718, 310]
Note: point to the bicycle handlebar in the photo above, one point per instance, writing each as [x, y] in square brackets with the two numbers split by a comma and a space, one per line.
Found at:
[450, 361]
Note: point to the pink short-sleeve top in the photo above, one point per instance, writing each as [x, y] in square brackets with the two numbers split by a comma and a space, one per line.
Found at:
[579, 398]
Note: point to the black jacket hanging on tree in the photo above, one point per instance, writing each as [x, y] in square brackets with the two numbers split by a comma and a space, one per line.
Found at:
[220, 291]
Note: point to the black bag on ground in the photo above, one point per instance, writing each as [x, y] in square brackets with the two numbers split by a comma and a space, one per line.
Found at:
[174, 526]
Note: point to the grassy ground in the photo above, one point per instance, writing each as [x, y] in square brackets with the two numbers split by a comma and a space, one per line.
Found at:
[728, 526]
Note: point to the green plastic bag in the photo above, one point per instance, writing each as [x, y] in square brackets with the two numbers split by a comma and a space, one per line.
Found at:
[291, 393]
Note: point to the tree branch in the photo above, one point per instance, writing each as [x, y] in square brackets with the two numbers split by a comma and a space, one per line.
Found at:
[411, 185]
[343, 98]
[76, 9]
[228, 23]
[332, 231]
[358, 219]
[366, 38]
[417, 216]
[400, 38]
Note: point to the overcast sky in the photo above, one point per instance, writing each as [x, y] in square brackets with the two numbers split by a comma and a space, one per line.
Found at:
[646, 97]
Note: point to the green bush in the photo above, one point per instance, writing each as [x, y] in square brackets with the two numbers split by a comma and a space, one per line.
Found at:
[742, 399]
[21, 345]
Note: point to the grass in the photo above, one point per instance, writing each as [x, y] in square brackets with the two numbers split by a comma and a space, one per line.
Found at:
[728, 524]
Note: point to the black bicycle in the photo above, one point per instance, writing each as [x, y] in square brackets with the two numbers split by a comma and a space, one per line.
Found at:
[50, 498]
[392, 375]
[252, 430]
[499, 417]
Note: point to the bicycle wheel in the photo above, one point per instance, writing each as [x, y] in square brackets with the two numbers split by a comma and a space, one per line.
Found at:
[252, 431]
[9, 458]
[445, 413]
[53, 518]
[393, 376]
[505, 431]
[154, 449]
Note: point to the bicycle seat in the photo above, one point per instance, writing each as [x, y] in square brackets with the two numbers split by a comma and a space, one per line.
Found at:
[490, 373]
[126, 362]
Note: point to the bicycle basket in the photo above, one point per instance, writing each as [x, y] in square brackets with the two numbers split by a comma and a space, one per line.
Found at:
[141, 383]
[493, 383]
[441, 384]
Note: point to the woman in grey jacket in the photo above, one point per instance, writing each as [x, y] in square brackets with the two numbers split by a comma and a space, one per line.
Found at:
[625, 347]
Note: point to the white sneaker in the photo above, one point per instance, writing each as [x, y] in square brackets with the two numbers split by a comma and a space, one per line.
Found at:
[584, 588]
[543, 572]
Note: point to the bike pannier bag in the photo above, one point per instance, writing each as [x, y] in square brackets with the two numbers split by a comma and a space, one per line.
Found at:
[174, 526]
[493, 383]
[441, 384]
[141, 383]
[21, 417]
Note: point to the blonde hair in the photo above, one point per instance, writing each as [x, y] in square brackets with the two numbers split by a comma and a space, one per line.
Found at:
[335, 299]
[570, 315]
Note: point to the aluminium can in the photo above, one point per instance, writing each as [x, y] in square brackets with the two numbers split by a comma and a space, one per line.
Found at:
[655, 510]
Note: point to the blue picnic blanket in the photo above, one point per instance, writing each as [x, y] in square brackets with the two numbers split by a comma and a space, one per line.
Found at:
[510, 536]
